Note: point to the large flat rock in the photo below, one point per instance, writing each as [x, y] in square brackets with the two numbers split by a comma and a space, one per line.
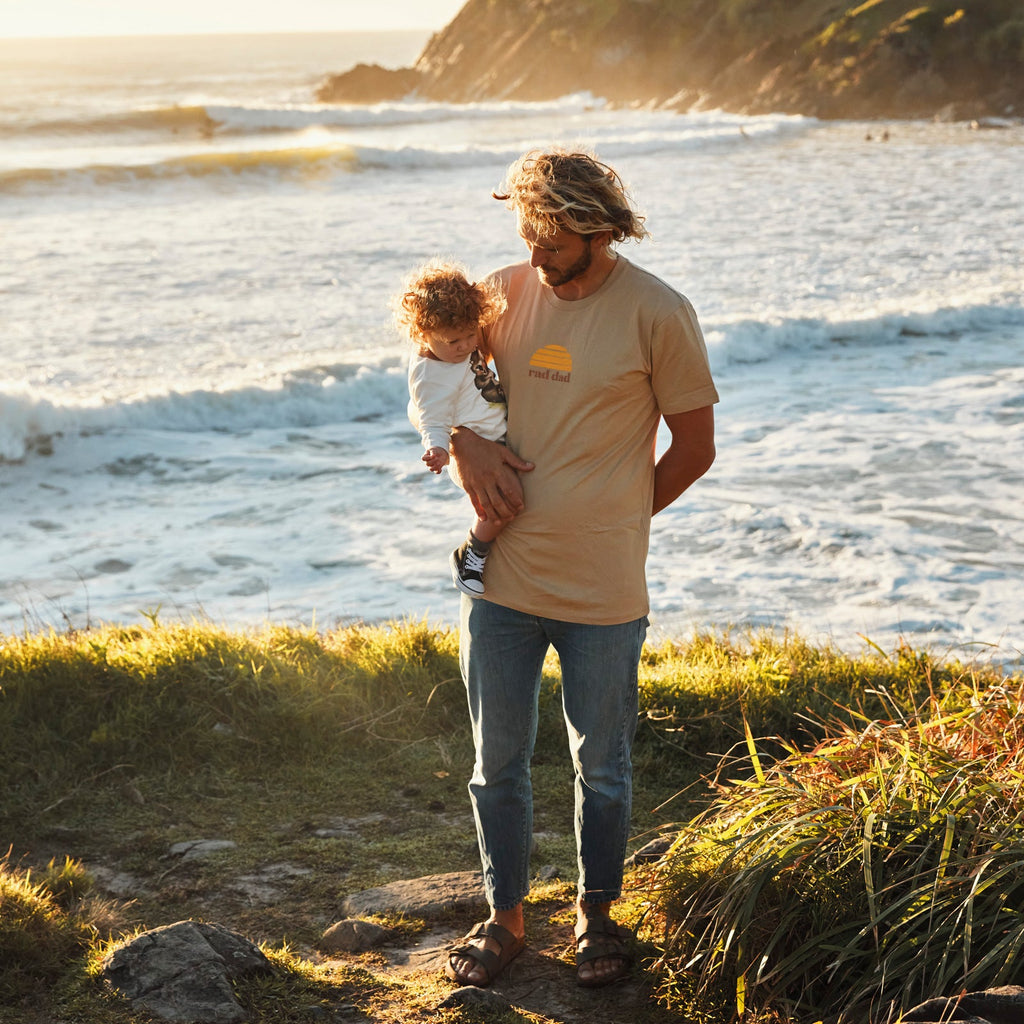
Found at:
[420, 897]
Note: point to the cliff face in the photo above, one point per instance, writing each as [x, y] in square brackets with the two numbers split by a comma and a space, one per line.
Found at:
[542, 49]
[878, 58]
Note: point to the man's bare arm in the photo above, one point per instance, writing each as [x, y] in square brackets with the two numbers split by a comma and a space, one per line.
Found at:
[489, 473]
[688, 457]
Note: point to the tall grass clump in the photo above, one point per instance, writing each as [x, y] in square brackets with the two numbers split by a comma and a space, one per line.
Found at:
[853, 880]
[701, 693]
[43, 929]
[170, 698]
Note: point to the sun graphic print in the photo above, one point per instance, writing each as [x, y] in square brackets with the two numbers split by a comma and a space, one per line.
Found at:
[552, 362]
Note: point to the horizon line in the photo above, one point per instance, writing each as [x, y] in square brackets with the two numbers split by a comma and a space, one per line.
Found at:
[219, 32]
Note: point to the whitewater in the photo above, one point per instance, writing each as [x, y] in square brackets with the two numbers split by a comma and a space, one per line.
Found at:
[202, 396]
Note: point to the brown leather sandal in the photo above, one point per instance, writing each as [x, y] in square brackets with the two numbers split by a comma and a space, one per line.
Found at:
[604, 938]
[492, 963]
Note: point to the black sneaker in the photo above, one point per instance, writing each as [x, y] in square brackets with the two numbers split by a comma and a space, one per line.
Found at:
[468, 570]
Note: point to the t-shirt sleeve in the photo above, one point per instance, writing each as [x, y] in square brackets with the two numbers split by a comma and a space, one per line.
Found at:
[430, 407]
[680, 372]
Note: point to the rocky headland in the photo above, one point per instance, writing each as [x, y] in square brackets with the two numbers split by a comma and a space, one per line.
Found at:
[947, 59]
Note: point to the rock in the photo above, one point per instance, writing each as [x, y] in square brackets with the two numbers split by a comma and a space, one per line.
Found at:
[991, 1006]
[369, 83]
[116, 883]
[352, 936]
[112, 565]
[200, 849]
[265, 885]
[183, 972]
[651, 852]
[475, 998]
[420, 897]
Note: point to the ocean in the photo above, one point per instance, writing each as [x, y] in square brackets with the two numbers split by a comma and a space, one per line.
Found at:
[202, 396]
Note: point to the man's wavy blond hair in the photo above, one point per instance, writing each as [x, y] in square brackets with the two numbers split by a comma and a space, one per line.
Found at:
[572, 192]
[439, 296]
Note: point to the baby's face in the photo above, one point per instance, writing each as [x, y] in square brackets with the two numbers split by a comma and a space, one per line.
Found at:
[452, 344]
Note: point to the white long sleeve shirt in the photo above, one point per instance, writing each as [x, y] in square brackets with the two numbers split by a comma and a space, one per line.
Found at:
[443, 396]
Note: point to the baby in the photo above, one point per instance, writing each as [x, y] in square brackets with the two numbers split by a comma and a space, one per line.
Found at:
[451, 385]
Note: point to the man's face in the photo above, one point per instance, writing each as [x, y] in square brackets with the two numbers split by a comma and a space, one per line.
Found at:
[559, 257]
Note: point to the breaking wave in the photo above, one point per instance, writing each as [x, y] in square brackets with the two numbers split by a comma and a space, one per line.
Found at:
[319, 395]
[310, 142]
[303, 398]
[758, 341]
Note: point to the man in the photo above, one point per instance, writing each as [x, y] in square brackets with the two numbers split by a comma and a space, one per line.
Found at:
[593, 353]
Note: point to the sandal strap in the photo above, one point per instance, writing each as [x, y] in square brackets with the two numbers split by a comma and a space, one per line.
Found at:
[492, 963]
[492, 930]
[604, 938]
[596, 927]
[600, 950]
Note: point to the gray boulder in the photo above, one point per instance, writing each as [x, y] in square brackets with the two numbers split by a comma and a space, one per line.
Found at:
[1003, 1005]
[182, 972]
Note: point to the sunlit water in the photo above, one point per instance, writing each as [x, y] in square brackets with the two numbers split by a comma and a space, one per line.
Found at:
[202, 410]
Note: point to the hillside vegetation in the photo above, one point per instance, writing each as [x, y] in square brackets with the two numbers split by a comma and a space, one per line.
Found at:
[836, 815]
[954, 59]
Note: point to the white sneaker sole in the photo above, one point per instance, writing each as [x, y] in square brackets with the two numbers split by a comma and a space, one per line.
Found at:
[466, 588]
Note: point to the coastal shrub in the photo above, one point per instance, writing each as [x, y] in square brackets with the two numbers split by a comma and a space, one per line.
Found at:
[882, 867]
[40, 936]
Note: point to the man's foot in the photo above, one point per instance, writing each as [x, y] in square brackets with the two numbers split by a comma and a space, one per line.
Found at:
[483, 954]
[468, 569]
[602, 956]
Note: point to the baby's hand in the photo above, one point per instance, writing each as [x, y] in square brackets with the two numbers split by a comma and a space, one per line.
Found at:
[436, 459]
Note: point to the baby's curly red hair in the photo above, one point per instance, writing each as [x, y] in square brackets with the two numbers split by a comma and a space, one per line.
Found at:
[439, 296]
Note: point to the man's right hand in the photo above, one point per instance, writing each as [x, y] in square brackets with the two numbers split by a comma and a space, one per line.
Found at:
[489, 473]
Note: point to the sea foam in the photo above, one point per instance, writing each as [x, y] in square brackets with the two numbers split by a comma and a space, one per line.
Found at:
[322, 396]
[757, 341]
[315, 395]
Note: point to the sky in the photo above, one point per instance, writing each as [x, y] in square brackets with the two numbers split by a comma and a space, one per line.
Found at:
[20, 18]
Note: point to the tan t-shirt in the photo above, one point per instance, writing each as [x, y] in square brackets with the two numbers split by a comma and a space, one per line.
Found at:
[587, 383]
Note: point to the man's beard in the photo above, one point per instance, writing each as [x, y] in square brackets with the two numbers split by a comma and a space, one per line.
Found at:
[556, 278]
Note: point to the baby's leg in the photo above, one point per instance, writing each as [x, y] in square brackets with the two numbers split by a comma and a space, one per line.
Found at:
[486, 530]
[468, 561]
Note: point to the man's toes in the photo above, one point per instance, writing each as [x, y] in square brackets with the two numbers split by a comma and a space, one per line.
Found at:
[602, 967]
[468, 969]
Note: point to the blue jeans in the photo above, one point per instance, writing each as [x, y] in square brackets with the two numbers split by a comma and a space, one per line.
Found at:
[502, 654]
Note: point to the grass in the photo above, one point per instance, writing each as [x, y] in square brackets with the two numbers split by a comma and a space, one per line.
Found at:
[39, 929]
[344, 757]
[854, 880]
